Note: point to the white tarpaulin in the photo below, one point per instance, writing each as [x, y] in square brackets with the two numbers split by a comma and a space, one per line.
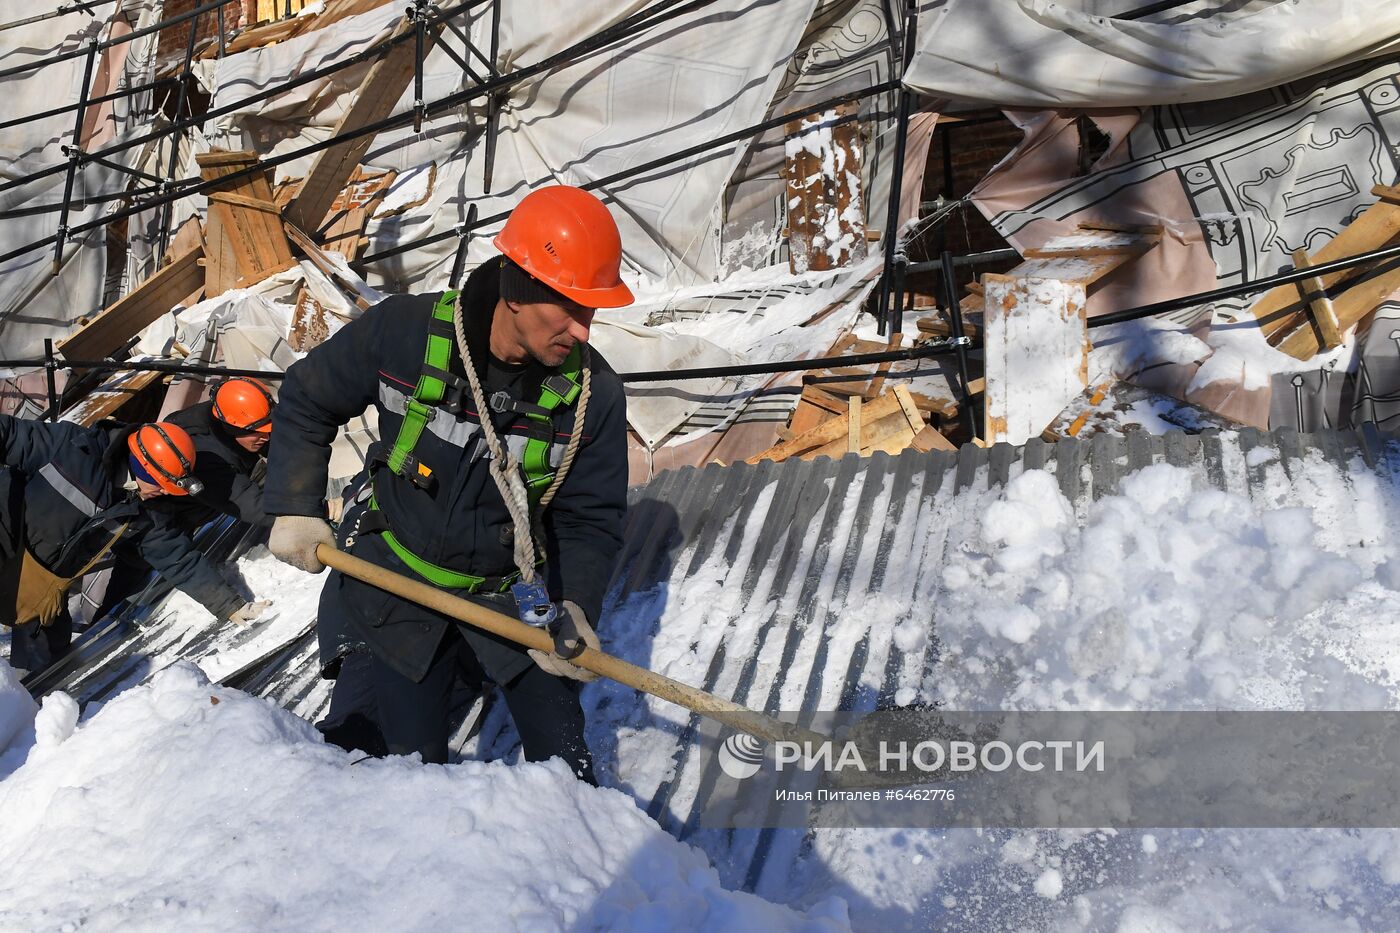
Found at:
[1042, 53]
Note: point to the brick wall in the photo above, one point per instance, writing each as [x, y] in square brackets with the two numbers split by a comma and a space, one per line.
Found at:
[173, 39]
[975, 148]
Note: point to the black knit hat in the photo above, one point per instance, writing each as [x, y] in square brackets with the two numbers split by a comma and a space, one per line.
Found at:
[519, 286]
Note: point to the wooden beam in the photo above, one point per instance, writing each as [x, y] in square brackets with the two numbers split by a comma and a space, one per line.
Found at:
[379, 91]
[129, 315]
[1324, 318]
[1359, 300]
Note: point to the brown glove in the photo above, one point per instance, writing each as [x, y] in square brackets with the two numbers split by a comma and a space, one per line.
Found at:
[40, 594]
[572, 634]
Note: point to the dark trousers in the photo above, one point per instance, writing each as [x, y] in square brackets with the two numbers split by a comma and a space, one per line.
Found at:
[416, 717]
[34, 647]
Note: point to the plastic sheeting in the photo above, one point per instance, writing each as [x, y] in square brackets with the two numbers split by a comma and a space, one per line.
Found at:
[1043, 53]
[1236, 185]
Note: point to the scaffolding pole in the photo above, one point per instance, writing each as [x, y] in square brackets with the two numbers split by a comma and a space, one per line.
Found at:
[891, 320]
[75, 156]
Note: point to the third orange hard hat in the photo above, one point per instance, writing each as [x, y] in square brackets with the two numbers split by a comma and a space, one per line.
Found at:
[244, 404]
[162, 453]
[564, 237]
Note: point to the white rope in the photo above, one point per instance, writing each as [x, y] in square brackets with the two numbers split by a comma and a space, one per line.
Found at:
[502, 466]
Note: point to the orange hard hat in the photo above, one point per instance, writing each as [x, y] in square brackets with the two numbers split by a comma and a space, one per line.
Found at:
[162, 453]
[564, 237]
[244, 404]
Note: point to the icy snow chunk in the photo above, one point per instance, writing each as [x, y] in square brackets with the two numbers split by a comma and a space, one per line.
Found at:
[56, 720]
[17, 707]
[1049, 884]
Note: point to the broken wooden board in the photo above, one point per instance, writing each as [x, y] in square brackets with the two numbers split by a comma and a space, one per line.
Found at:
[1282, 311]
[107, 400]
[247, 213]
[826, 219]
[380, 90]
[319, 258]
[1360, 298]
[129, 315]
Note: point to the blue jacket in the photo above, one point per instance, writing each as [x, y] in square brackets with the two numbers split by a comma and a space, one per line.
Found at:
[74, 500]
[460, 522]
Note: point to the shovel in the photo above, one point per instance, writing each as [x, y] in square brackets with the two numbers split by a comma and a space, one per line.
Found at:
[759, 725]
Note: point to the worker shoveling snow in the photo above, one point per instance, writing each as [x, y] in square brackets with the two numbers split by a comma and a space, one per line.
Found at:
[165, 810]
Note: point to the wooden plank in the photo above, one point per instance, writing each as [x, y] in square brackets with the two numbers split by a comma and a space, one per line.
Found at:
[127, 316]
[911, 411]
[931, 439]
[243, 200]
[1324, 318]
[814, 407]
[853, 424]
[221, 262]
[108, 399]
[1281, 310]
[379, 92]
[248, 213]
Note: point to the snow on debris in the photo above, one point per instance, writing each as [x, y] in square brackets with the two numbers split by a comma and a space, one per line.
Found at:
[182, 806]
[164, 810]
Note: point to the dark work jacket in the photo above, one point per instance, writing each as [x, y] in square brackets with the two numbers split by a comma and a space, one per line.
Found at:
[74, 500]
[461, 522]
[225, 469]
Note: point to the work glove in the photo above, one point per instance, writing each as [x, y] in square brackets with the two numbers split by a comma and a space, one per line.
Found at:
[335, 510]
[248, 613]
[294, 539]
[572, 634]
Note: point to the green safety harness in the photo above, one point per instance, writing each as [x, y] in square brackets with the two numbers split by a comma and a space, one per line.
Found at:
[437, 383]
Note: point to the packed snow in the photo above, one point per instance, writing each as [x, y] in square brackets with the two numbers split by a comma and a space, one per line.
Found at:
[183, 805]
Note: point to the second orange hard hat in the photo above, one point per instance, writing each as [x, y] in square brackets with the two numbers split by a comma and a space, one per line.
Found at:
[244, 404]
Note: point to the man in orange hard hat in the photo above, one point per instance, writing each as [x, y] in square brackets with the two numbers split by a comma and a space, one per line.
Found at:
[500, 476]
[230, 432]
[70, 495]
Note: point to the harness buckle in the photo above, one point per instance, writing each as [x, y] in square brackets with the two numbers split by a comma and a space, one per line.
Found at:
[501, 402]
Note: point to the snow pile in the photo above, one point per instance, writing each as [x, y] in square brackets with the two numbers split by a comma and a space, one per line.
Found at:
[1168, 591]
[183, 806]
